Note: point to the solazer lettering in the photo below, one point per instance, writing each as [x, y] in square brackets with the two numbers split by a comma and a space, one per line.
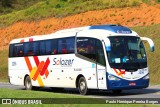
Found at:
[63, 62]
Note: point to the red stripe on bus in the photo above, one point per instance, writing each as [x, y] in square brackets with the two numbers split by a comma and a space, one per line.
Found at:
[46, 73]
[122, 72]
[28, 63]
[40, 66]
[22, 41]
[36, 60]
[45, 67]
[115, 70]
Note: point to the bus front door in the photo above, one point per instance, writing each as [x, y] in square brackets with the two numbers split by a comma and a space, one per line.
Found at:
[101, 66]
[101, 74]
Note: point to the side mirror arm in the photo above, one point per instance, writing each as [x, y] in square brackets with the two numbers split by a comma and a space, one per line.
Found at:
[151, 43]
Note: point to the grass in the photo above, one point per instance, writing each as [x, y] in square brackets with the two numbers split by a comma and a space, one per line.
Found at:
[29, 10]
[4, 65]
[17, 5]
[8, 93]
[61, 8]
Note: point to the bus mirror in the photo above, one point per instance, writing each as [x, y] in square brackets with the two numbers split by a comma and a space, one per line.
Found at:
[107, 44]
[151, 43]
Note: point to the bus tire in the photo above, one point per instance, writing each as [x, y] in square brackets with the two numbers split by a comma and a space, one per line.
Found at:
[116, 91]
[82, 86]
[27, 83]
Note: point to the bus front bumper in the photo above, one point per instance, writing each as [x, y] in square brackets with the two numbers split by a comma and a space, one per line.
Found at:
[127, 84]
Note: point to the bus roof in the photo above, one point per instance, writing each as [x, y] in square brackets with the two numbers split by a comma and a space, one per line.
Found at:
[109, 30]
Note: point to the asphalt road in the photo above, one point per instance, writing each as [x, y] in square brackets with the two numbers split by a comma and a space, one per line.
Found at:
[150, 92]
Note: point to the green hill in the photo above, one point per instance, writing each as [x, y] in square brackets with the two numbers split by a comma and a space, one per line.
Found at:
[8, 6]
[39, 9]
[29, 10]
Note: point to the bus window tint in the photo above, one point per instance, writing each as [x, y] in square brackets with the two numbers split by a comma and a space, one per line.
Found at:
[70, 45]
[18, 50]
[66, 46]
[48, 47]
[86, 47]
[54, 47]
[35, 48]
[42, 48]
[100, 53]
[28, 49]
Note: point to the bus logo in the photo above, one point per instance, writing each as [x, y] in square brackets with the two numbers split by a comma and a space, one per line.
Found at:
[63, 62]
[119, 72]
[39, 70]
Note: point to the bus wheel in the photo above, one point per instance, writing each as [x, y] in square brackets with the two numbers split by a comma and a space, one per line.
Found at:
[82, 86]
[27, 83]
[116, 91]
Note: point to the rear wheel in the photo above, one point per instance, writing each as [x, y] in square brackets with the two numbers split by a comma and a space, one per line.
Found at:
[82, 86]
[27, 83]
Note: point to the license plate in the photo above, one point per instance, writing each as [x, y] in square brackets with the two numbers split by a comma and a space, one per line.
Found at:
[132, 84]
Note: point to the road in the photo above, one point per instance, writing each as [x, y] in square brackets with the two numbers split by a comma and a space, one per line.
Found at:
[150, 92]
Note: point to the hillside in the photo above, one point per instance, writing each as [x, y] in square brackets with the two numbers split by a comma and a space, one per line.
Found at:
[8, 6]
[39, 20]
[142, 15]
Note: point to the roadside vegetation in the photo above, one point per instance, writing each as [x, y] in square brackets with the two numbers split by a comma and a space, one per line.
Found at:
[8, 93]
[29, 10]
[152, 32]
[4, 65]
[8, 6]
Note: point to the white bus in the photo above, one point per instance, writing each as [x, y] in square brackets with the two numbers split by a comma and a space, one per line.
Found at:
[104, 57]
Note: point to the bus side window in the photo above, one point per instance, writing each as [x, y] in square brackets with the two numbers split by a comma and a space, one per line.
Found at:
[62, 46]
[27, 50]
[18, 50]
[54, 47]
[86, 47]
[66, 45]
[36, 48]
[48, 47]
[70, 44]
[100, 53]
[42, 48]
[11, 54]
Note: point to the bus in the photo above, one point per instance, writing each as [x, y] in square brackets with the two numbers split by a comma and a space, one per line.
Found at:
[100, 57]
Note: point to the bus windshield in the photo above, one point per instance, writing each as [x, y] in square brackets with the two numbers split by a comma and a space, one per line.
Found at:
[127, 52]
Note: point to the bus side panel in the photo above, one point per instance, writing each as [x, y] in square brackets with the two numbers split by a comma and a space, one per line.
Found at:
[88, 70]
[17, 70]
[64, 70]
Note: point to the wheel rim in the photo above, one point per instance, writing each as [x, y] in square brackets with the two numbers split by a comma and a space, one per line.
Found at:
[28, 84]
[82, 86]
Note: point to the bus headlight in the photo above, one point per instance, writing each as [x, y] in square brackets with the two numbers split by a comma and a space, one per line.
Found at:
[111, 77]
[146, 77]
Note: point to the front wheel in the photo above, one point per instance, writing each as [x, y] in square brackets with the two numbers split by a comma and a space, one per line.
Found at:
[82, 86]
[27, 83]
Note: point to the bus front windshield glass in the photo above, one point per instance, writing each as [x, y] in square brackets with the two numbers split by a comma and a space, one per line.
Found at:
[127, 52]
